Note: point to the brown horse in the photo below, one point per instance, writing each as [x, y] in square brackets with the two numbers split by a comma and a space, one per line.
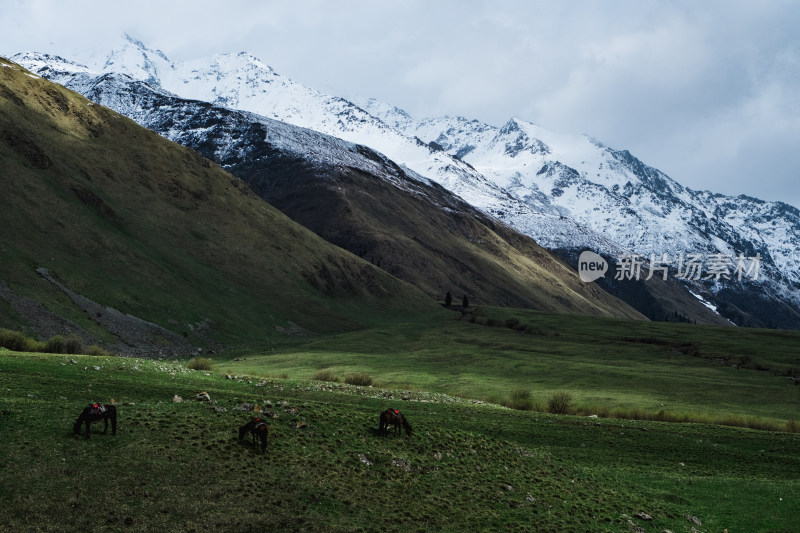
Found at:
[258, 429]
[94, 413]
[395, 418]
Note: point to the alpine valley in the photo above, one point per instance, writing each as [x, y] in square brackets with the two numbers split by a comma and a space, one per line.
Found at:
[232, 247]
[449, 180]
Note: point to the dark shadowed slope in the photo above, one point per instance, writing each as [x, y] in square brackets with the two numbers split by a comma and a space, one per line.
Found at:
[360, 200]
[129, 220]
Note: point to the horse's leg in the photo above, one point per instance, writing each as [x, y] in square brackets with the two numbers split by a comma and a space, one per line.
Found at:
[105, 427]
[114, 423]
[88, 427]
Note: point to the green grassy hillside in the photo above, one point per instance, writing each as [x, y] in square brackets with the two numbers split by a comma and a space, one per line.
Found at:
[423, 234]
[610, 366]
[468, 467]
[131, 221]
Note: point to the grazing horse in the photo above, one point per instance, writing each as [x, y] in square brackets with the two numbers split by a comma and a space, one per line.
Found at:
[394, 418]
[93, 413]
[258, 429]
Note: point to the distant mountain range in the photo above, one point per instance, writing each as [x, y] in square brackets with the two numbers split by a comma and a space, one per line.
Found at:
[569, 193]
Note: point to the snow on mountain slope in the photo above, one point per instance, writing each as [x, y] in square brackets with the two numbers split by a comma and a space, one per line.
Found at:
[241, 81]
[565, 191]
[611, 191]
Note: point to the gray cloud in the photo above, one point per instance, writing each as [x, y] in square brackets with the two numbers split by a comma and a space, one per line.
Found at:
[705, 91]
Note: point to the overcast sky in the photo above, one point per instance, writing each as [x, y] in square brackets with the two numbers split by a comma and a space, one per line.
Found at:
[706, 91]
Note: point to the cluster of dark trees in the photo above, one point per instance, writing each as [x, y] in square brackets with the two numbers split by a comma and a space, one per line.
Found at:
[448, 300]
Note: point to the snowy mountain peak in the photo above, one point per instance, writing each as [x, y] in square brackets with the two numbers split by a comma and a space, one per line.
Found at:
[133, 58]
[566, 191]
[50, 64]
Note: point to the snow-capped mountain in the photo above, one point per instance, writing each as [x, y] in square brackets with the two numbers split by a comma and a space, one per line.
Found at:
[566, 191]
[637, 206]
[356, 198]
[241, 81]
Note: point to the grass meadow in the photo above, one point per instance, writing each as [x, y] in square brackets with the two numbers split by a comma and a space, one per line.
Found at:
[611, 367]
[471, 465]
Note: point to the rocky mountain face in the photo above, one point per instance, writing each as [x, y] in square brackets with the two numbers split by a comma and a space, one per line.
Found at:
[569, 193]
[358, 199]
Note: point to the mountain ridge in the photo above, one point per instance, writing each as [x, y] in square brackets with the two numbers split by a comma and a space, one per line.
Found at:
[135, 224]
[440, 243]
[521, 180]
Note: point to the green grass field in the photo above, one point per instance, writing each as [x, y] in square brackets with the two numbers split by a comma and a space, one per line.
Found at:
[701, 373]
[470, 466]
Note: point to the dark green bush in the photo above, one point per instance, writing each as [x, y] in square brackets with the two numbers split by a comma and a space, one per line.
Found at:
[360, 378]
[200, 363]
[55, 344]
[520, 399]
[559, 403]
[326, 374]
[96, 350]
[14, 340]
[73, 344]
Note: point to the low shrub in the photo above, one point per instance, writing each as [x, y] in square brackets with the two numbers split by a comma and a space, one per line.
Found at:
[326, 374]
[520, 399]
[360, 378]
[200, 363]
[14, 340]
[73, 344]
[559, 403]
[55, 344]
[96, 350]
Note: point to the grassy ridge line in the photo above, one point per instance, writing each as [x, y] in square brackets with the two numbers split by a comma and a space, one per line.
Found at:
[627, 367]
[135, 222]
[178, 467]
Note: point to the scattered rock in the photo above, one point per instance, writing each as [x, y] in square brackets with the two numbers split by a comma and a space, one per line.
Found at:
[643, 516]
[592, 416]
[246, 407]
[506, 487]
[177, 399]
[220, 409]
[438, 456]
[363, 459]
[402, 463]
[694, 520]
[203, 397]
